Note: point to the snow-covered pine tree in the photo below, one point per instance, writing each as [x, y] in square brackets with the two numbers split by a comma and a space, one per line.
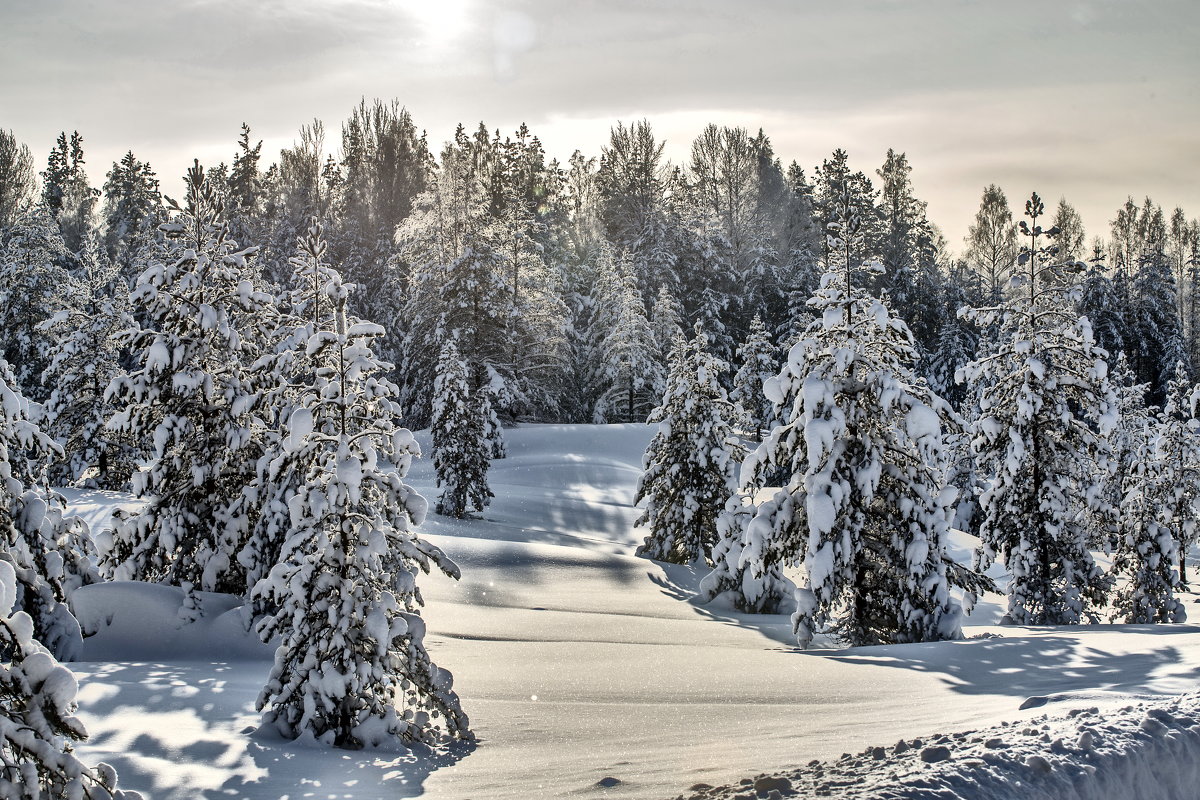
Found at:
[47, 548]
[193, 396]
[1100, 303]
[1130, 441]
[1178, 451]
[86, 343]
[863, 508]
[691, 463]
[37, 722]
[284, 375]
[666, 322]
[758, 363]
[460, 448]
[1046, 409]
[352, 669]
[493, 431]
[34, 285]
[626, 366]
[1146, 550]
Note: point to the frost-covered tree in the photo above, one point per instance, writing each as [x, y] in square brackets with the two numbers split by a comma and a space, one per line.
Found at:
[34, 285]
[691, 463]
[1046, 409]
[37, 723]
[352, 669]
[47, 548]
[16, 177]
[86, 345]
[192, 394]
[1178, 450]
[666, 322]
[1146, 549]
[758, 362]
[626, 365]
[992, 243]
[863, 507]
[460, 447]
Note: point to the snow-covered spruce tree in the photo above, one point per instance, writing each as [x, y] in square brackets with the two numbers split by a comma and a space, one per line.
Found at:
[758, 363]
[666, 322]
[863, 507]
[85, 356]
[691, 463]
[1178, 450]
[1130, 442]
[351, 669]
[34, 285]
[1146, 550]
[1046, 409]
[47, 549]
[285, 374]
[627, 366]
[460, 448]
[192, 395]
[37, 722]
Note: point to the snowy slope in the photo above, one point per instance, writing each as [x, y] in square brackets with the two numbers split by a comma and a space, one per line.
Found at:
[585, 670]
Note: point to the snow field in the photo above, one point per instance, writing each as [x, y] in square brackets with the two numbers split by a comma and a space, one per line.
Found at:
[585, 671]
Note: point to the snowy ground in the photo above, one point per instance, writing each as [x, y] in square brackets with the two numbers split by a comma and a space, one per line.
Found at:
[587, 673]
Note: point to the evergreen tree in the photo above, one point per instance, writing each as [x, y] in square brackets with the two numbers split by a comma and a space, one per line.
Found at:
[1100, 303]
[1146, 552]
[132, 210]
[85, 356]
[1071, 236]
[666, 323]
[16, 177]
[47, 549]
[34, 285]
[1046, 408]
[37, 722]
[1178, 450]
[626, 367]
[758, 364]
[862, 508]
[460, 447]
[1155, 334]
[690, 465]
[352, 669]
[66, 191]
[193, 395]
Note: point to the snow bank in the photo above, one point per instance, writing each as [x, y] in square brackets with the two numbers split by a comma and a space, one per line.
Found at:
[1149, 750]
[132, 621]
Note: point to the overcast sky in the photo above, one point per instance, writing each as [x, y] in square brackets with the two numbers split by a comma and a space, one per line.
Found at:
[1093, 100]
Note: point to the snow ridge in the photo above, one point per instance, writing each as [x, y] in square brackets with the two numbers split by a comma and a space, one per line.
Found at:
[1150, 750]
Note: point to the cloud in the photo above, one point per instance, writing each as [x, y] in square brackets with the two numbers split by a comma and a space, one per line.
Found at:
[1085, 94]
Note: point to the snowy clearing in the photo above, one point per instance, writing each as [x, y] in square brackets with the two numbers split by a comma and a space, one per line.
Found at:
[588, 673]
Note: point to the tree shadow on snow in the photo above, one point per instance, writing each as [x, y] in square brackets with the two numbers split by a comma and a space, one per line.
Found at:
[682, 582]
[1037, 664]
[286, 769]
[173, 730]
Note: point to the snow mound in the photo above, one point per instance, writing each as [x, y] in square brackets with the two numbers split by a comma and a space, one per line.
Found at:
[132, 621]
[1149, 750]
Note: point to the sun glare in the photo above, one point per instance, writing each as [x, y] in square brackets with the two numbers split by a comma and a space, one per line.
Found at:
[439, 22]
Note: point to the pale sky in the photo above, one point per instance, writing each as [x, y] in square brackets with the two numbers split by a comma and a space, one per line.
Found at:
[1093, 100]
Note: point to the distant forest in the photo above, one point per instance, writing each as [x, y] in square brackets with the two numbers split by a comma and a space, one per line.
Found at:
[565, 283]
